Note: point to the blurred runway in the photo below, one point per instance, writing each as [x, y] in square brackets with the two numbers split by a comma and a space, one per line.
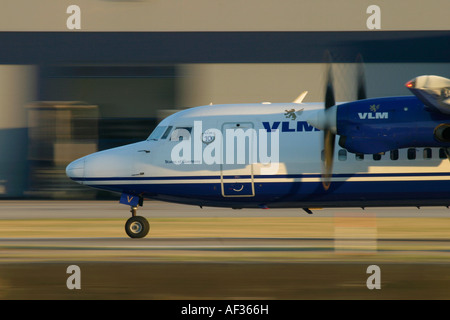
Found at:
[226, 244]
[214, 253]
[29, 209]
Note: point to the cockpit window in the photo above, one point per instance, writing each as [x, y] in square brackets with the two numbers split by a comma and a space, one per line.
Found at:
[156, 134]
[166, 133]
[181, 133]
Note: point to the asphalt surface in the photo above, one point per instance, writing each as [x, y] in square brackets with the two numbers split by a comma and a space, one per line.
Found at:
[29, 209]
[224, 254]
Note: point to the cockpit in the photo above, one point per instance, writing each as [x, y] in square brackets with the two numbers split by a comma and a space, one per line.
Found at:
[164, 132]
[160, 132]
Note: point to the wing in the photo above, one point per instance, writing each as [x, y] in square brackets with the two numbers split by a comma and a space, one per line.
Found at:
[433, 91]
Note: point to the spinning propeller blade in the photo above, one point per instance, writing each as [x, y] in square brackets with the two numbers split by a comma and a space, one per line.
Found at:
[326, 120]
[329, 136]
[360, 78]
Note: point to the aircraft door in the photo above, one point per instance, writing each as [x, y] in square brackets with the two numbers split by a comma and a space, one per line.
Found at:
[239, 140]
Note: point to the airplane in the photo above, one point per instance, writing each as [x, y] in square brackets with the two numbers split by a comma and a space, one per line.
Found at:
[390, 151]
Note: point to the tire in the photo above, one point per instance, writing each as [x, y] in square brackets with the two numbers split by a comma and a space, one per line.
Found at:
[137, 227]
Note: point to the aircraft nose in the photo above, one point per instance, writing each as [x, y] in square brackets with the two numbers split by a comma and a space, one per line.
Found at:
[75, 169]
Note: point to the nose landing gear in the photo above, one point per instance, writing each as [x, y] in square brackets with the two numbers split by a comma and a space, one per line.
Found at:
[136, 226]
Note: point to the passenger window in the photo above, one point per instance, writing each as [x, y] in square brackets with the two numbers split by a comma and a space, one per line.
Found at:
[156, 134]
[442, 154]
[394, 155]
[427, 153]
[411, 154]
[359, 156]
[181, 133]
[377, 157]
[342, 155]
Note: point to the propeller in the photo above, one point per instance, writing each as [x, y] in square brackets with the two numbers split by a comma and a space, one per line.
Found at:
[360, 88]
[360, 79]
[329, 136]
[326, 119]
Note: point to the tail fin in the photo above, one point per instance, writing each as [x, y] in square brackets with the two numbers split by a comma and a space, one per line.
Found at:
[301, 97]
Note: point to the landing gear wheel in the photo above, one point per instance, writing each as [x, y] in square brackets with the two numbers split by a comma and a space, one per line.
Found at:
[137, 227]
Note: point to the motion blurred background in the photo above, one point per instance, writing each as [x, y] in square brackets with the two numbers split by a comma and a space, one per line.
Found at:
[67, 93]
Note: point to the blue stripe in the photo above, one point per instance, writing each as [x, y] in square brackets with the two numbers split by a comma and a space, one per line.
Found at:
[298, 194]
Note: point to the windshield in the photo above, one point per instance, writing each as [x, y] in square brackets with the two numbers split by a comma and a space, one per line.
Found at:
[160, 132]
[157, 133]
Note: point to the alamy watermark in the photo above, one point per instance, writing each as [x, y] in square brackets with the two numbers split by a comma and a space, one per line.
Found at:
[234, 145]
[374, 280]
[74, 280]
[73, 22]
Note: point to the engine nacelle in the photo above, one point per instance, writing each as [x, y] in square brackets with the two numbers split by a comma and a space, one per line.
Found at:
[378, 125]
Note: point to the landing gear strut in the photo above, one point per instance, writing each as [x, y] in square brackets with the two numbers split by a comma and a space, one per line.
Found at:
[136, 226]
